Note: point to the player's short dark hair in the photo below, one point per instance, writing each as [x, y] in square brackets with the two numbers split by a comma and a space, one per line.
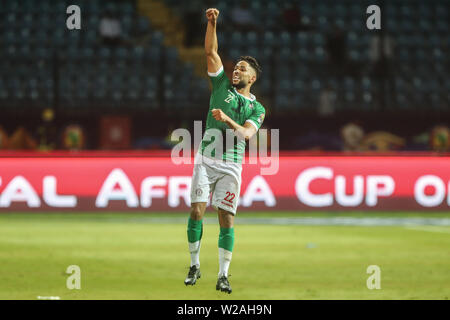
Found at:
[253, 63]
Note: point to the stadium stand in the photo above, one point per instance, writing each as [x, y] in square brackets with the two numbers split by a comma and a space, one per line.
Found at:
[89, 74]
[330, 55]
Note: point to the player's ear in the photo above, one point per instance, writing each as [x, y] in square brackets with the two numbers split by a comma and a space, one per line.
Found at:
[253, 77]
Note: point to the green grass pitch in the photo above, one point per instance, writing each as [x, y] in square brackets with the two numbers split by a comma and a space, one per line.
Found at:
[133, 256]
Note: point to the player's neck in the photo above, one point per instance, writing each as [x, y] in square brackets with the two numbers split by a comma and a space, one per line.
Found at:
[245, 91]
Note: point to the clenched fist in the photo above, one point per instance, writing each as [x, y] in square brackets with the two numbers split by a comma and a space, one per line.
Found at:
[219, 115]
[212, 14]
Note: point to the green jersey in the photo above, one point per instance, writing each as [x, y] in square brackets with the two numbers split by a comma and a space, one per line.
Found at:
[239, 108]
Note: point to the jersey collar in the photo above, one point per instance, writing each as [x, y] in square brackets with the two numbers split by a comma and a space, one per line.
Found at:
[252, 97]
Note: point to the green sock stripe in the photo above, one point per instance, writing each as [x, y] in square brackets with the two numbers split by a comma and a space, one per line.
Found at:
[226, 239]
[194, 230]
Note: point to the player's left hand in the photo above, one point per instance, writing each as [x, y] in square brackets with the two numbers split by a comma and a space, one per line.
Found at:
[219, 115]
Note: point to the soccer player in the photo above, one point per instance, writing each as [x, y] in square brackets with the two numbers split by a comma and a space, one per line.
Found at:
[232, 107]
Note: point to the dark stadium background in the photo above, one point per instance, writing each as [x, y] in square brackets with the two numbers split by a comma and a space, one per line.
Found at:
[322, 70]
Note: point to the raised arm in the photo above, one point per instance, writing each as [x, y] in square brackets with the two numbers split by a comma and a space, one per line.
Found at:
[212, 57]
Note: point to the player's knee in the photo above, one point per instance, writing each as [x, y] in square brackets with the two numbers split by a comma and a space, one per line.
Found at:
[226, 219]
[197, 212]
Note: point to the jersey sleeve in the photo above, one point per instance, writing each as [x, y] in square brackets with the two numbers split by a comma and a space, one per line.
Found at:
[218, 79]
[257, 116]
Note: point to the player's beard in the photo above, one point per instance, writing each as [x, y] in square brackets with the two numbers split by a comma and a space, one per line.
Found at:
[241, 84]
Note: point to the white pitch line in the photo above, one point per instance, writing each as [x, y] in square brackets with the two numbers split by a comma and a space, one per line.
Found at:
[429, 229]
[48, 298]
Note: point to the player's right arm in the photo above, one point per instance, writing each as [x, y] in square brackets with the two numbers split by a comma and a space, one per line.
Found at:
[212, 57]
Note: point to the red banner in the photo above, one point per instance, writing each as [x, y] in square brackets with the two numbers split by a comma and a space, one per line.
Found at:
[157, 184]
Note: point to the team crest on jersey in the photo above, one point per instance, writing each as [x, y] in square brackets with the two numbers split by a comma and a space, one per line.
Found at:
[251, 106]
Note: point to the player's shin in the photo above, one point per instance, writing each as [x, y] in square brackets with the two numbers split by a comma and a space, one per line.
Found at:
[194, 233]
[226, 243]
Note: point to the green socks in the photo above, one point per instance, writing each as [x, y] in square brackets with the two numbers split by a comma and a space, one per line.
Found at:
[226, 238]
[194, 230]
[194, 233]
[226, 243]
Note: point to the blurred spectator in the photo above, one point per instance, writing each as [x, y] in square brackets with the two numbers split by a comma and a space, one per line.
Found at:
[337, 49]
[382, 141]
[352, 135]
[3, 139]
[242, 18]
[22, 140]
[110, 29]
[440, 139]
